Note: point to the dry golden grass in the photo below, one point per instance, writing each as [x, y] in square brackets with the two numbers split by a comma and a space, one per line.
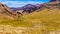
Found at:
[46, 21]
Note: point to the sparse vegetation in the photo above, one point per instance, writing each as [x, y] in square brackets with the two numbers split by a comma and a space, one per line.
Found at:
[47, 20]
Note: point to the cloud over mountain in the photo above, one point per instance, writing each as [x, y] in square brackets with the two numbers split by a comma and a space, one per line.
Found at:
[19, 3]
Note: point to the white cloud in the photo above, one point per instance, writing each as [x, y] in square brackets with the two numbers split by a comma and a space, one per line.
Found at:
[19, 3]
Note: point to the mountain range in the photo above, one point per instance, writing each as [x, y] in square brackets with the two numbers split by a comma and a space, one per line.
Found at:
[29, 8]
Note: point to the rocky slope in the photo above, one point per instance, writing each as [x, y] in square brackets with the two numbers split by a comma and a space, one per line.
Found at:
[7, 13]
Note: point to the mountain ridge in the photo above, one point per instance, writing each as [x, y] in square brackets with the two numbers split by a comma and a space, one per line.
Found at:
[29, 8]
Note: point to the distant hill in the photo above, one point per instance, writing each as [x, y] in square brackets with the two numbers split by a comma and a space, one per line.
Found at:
[31, 8]
[15, 9]
[52, 0]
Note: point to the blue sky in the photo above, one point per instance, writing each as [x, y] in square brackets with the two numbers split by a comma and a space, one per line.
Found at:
[20, 3]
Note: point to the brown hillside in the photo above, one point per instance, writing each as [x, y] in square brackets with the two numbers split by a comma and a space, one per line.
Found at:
[6, 12]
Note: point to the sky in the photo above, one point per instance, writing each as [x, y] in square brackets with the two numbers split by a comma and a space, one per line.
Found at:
[20, 3]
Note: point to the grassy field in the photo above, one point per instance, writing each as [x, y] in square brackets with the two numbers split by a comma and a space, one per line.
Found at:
[46, 16]
[49, 18]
